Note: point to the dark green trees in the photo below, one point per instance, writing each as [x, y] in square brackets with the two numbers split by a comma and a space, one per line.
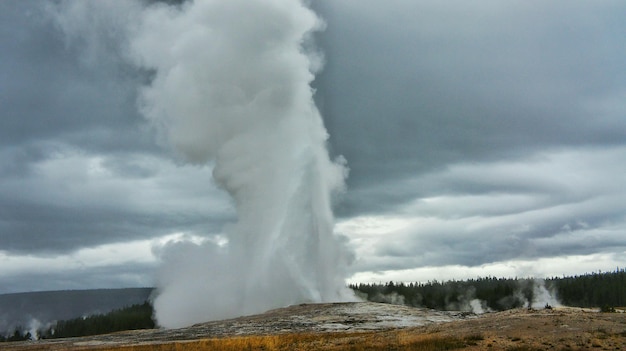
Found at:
[129, 318]
[588, 290]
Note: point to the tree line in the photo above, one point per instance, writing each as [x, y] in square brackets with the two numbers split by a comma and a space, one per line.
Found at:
[602, 289]
[128, 318]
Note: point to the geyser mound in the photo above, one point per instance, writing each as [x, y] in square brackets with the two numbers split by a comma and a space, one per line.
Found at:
[231, 85]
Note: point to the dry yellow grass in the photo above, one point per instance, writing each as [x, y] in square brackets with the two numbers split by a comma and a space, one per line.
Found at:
[398, 340]
[388, 340]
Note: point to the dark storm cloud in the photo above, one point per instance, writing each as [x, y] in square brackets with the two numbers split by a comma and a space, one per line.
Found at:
[77, 200]
[79, 165]
[48, 92]
[36, 228]
[410, 87]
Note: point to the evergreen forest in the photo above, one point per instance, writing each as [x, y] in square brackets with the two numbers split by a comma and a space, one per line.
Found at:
[129, 318]
[604, 290]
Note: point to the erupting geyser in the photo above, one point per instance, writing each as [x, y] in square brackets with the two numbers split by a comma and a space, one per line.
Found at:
[231, 86]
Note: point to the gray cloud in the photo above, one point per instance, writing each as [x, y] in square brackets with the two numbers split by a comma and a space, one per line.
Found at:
[119, 276]
[49, 92]
[79, 200]
[497, 131]
[571, 204]
[413, 86]
[68, 107]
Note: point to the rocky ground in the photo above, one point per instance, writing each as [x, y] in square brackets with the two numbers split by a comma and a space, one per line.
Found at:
[558, 328]
[562, 328]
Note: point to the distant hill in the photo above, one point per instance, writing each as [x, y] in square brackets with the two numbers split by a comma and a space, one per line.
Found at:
[31, 310]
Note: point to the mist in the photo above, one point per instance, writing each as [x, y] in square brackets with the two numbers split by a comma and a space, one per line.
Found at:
[229, 88]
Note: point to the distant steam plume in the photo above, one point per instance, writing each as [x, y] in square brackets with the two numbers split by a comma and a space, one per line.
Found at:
[231, 85]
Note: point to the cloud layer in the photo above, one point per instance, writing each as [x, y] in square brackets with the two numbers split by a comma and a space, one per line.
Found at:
[481, 139]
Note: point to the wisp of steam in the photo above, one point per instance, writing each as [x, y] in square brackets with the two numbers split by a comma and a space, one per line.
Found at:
[230, 88]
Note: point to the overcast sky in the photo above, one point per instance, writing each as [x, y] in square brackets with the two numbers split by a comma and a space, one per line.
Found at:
[483, 138]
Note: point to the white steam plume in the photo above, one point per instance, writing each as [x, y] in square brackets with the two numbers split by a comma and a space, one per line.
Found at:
[232, 85]
[541, 296]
